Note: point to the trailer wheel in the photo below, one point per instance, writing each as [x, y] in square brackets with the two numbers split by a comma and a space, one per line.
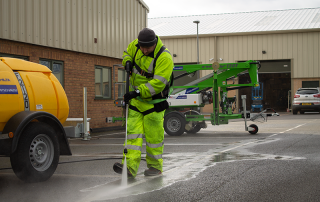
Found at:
[255, 129]
[174, 124]
[37, 155]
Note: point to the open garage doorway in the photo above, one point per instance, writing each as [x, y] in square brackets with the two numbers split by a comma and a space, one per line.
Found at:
[276, 78]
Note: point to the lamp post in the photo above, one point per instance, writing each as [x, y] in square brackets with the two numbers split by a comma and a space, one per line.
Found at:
[197, 21]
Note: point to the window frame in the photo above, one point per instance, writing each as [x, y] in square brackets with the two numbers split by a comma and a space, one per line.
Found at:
[121, 85]
[102, 97]
[51, 62]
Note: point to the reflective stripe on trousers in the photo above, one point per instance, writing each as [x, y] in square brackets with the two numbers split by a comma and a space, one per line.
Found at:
[151, 126]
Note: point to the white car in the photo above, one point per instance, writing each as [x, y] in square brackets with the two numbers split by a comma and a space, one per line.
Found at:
[306, 99]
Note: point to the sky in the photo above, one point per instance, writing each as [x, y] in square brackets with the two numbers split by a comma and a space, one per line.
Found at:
[170, 8]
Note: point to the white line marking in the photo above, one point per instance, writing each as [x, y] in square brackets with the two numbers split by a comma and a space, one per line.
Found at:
[272, 135]
[289, 129]
[96, 155]
[168, 144]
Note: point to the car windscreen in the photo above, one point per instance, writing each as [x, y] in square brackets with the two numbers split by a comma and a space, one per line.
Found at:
[307, 91]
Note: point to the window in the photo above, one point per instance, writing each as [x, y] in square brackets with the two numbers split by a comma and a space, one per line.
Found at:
[307, 91]
[15, 56]
[122, 86]
[55, 66]
[310, 84]
[103, 82]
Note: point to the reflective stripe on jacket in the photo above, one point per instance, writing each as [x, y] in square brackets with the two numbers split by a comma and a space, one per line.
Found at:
[162, 71]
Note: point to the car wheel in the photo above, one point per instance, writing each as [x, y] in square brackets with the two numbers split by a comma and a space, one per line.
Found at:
[37, 154]
[294, 112]
[174, 124]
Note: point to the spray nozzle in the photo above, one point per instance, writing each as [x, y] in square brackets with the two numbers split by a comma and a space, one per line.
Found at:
[125, 151]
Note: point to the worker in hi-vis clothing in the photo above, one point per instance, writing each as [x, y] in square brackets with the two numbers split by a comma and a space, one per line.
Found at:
[150, 81]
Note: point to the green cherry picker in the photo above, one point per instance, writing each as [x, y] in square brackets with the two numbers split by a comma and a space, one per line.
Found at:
[210, 89]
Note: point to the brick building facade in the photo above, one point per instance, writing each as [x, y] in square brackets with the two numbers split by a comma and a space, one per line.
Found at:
[79, 72]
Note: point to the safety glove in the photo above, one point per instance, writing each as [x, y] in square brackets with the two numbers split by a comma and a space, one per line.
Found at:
[129, 67]
[132, 94]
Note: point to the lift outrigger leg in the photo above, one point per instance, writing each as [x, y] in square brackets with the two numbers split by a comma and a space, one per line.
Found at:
[253, 129]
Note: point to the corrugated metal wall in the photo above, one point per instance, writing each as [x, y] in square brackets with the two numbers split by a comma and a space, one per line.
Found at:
[302, 48]
[74, 24]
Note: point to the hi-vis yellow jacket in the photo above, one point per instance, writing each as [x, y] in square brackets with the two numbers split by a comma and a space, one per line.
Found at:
[148, 87]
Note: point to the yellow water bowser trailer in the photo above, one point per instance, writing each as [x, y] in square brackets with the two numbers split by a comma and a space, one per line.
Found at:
[33, 107]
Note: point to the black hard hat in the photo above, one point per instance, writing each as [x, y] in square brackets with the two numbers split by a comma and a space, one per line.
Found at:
[147, 37]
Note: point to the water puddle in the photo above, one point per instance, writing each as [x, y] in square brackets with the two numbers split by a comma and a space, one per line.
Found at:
[234, 156]
[179, 167]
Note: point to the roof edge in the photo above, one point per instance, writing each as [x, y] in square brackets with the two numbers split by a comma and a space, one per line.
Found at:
[145, 5]
[242, 33]
[235, 12]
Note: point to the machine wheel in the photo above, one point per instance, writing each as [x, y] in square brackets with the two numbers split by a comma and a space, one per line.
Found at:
[174, 124]
[37, 154]
[255, 129]
[196, 128]
[294, 111]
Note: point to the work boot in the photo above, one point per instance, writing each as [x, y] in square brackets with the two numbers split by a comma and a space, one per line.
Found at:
[117, 167]
[152, 172]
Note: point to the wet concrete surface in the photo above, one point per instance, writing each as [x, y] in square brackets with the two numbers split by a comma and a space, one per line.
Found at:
[220, 163]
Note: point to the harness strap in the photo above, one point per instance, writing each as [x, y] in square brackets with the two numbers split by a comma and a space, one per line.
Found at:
[166, 91]
[158, 54]
[142, 72]
[149, 111]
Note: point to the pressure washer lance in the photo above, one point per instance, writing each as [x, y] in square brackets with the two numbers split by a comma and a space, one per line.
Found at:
[124, 181]
[128, 70]
[125, 151]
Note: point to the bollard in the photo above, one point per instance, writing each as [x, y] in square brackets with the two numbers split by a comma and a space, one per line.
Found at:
[86, 135]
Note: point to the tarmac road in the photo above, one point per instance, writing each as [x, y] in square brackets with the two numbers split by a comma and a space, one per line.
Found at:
[220, 163]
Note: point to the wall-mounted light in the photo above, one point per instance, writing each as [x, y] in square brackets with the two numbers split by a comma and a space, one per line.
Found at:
[211, 59]
[220, 59]
[174, 55]
[264, 52]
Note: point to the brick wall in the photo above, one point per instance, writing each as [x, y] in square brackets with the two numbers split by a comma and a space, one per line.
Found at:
[79, 72]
